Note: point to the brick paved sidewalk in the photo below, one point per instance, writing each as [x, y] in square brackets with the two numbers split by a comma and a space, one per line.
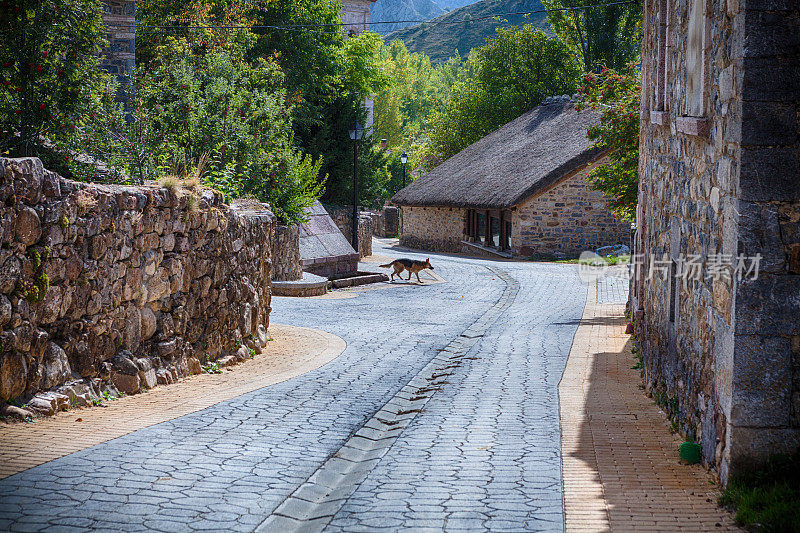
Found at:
[294, 351]
[620, 463]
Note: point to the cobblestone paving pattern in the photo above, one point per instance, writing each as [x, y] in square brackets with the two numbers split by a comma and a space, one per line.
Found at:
[613, 288]
[484, 453]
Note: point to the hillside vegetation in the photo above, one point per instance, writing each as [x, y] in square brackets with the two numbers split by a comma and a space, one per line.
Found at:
[441, 41]
[391, 10]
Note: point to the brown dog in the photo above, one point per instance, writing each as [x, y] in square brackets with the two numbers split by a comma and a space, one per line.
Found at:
[413, 266]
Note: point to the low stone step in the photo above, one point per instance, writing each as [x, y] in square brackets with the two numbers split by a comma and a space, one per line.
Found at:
[308, 285]
[361, 279]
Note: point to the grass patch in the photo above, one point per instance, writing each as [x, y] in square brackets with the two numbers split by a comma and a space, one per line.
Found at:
[767, 499]
[623, 259]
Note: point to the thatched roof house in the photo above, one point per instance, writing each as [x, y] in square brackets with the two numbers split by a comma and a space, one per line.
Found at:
[520, 190]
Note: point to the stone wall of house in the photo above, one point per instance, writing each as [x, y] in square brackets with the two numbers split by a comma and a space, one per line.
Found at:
[286, 253]
[439, 229]
[724, 364]
[566, 220]
[120, 288]
[765, 414]
[120, 56]
[688, 189]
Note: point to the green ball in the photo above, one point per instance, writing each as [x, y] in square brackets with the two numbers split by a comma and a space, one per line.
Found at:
[691, 452]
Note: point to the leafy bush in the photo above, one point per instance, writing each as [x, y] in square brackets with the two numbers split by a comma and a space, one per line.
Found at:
[615, 95]
[48, 75]
[213, 117]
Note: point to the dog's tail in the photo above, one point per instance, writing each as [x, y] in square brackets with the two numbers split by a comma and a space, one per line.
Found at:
[387, 265]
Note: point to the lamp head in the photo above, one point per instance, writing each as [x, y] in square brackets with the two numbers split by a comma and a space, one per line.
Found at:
[358, 133]
[403, 158]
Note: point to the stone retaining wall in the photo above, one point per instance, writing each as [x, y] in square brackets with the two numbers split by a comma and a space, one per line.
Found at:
[386, 223]
[366, 227]
[120, 288]
[286, 253]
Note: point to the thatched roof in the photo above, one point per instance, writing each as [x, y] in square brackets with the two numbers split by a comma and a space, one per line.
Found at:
[515, 162]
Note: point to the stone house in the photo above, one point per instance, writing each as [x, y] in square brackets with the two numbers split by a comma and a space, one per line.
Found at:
[719, 187]
[521, 190]
[120, 56]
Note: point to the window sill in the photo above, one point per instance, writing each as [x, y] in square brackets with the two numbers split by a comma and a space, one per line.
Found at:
[697, 126]
[660, 118]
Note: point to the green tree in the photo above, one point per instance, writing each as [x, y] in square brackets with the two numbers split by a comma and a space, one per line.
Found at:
[202, 24]
[600, 35]
[213, 117]
[403, 109]
[219, 105]
[49, 72]
[507, 77]
[615, 95]
[327, 76]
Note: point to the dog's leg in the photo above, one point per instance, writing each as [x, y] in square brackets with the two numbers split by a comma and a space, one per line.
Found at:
[417, 274]
[409, 276]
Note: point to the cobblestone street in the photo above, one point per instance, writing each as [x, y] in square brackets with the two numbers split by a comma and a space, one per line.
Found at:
[442, 413]
[483, 451]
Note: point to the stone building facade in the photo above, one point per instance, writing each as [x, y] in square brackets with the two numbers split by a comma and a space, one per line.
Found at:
[562, 221]
[355, 15]
[566, 219]
[111, 288]
[418, 223]
[720, 178]
[120, 56]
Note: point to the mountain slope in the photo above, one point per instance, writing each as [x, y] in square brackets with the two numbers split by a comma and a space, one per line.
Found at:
[387, 10]
[449, 5]
[440, 41]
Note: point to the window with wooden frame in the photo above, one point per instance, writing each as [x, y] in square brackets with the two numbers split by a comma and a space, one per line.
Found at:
[659, 113]
[693, 120]
[488, 227]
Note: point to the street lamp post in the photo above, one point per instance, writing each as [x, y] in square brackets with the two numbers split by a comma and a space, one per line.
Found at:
[404, 160]
[356, 134]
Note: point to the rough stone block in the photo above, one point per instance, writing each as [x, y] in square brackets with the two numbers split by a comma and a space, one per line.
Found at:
[126, 383]
[147, 378]
[760, 233]
[750, 447]
[28, 227]
[768, 306]
[48, 403]
[762, 381]
[770, 174]
[770, 79]
[769, 123]
[13, 374]
[56, 367]
[148, 323]
[768, 34]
